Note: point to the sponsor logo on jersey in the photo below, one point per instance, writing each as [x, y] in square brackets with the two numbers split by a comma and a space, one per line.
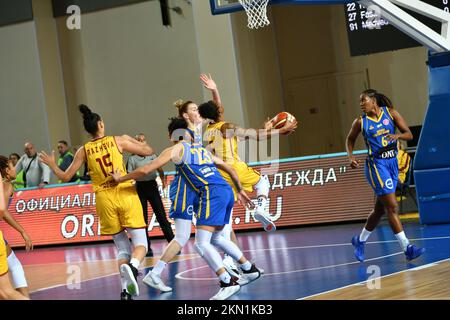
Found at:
[389, 184]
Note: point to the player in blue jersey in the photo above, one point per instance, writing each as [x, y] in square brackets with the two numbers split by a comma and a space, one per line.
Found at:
[378, 126]
[198, 167]
[184, 203]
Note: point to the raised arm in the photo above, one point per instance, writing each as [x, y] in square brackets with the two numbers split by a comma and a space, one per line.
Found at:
[350, 142]
[78, 161]
[165, 157]
[209, 84]
[2, 199]
[242, 196]
[229, 130]
[402, 126]
[131, 145]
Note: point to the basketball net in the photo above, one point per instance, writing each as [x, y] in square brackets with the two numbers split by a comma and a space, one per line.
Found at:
[256, 12]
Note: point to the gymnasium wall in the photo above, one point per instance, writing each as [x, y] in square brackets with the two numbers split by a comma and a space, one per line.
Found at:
[306, 49]
[22, 106]
[130, 69]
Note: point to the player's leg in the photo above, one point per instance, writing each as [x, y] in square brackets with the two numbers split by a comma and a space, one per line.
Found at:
[228, 283]
[158, 208]
[371, 223]
[262, 192]
[108, 208]
[182, 235]
[7, 292]
[131, 218]
[390, 203]
[123, 246]
[228, 233]
[142, 191]
[19, 282]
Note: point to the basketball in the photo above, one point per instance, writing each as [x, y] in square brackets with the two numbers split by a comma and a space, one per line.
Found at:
[280, 119]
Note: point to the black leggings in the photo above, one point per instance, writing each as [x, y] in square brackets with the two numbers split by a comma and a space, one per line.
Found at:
[148, 191]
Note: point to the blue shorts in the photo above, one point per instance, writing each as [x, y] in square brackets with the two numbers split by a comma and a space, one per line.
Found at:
[216, 204]
[382, 175]
[184, 200]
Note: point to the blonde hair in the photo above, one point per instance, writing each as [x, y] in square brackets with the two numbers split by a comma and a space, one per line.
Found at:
[182, 106]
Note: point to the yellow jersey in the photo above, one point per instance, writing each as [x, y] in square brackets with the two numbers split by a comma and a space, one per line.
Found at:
[227, 150]
[103, 158]
[224, 148]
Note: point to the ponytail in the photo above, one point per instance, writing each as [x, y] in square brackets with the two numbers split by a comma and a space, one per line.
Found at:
[381, 99]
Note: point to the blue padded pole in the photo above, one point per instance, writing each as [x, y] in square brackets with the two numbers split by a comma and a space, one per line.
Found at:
[432, 160]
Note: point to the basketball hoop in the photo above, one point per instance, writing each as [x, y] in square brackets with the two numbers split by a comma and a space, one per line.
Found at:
[256, 12]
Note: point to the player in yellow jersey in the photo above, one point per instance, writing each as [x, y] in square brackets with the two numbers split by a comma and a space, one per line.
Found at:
[117, 205]
[222, 138]
[7, 292]
[16, 271]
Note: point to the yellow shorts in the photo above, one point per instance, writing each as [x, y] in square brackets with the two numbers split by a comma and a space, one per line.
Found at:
[247, 176]
[119, 208]
[3, 257]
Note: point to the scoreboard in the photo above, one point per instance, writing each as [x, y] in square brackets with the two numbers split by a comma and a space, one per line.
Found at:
[368, 33]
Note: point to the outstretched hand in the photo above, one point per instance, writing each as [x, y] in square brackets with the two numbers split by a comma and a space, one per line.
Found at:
[49, 160]
[116, 175]
[208, 82]
[244, 200]
[289, 127]
[268, 124]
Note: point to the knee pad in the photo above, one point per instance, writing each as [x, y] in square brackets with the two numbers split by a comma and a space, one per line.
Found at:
[138, 237]
[262, 187]
[123, 246]
[16, 271]
[182, 231]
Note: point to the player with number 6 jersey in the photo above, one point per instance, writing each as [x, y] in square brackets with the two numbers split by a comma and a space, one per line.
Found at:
[377, 125]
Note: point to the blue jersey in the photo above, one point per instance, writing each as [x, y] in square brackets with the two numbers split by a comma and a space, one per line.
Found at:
[381, 166]
[198, 168]
[184, 200]
[216, 196]
[375, 132]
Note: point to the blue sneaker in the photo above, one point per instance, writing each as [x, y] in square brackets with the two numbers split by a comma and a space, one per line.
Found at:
[413, 252]
[359, 248]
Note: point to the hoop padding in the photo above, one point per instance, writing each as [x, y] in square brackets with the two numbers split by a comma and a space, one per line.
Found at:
[256, 13]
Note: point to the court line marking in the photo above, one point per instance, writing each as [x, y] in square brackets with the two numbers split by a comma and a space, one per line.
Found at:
[364, 282]
[195, 255]
[179, 275]
[251, 250]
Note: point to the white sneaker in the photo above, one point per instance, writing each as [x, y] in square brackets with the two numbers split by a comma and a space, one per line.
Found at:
[127, 273]
[233, 270]
[227, 290]
[153, 280]
[266, 221]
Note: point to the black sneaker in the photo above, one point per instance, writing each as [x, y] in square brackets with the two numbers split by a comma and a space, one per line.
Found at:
[135, 271]
[124, 295]
[149, 253]
[252, 274]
